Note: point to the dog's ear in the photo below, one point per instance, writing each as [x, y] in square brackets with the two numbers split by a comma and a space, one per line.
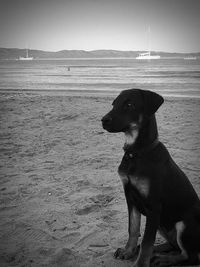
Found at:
[152, 101]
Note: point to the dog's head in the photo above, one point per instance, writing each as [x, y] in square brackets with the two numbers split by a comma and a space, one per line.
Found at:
[129, 108]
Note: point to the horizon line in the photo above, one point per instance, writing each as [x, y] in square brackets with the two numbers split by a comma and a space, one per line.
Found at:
[103, 49]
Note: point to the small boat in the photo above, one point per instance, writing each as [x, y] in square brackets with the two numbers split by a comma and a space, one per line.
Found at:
[190, 58]
[27, 57]
[147, 55]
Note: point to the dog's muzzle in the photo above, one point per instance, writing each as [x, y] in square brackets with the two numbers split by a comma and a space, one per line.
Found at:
[106, 122]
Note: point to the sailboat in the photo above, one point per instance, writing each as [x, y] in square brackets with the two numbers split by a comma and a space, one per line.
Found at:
[147, 55]
[27, 57]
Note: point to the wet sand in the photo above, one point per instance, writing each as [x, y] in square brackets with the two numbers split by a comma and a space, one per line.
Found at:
[61, 200]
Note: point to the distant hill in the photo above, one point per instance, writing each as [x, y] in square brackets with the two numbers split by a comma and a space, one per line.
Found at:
[15, 53]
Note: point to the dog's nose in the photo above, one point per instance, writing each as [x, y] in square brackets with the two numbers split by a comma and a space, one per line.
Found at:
[106, 120]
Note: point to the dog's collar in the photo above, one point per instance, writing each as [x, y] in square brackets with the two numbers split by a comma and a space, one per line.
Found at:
[133, 152]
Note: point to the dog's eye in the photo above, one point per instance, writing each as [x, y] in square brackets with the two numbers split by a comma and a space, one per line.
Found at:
[129, 105]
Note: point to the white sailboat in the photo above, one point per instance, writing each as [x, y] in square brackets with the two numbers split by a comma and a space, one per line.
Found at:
[27, 56]
[147, 55]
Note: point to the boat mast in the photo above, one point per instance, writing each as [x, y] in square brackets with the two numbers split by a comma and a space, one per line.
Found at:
[149, 40]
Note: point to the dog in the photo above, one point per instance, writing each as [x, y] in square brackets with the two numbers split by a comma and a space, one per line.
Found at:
[154, 185]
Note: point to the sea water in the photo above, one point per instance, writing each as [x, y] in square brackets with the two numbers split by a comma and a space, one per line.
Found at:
[169, 77]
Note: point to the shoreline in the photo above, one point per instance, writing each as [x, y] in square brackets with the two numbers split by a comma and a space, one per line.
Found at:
[90, 93]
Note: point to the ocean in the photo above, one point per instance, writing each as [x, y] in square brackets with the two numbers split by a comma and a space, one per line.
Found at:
[168, 77]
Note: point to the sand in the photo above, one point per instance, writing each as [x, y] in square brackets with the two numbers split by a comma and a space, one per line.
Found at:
[62, 202]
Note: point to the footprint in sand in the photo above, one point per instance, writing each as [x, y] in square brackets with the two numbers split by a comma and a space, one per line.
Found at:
[26, 232]
[87, 210]
[110, 216]
[67, 257]
[102, 199]
[99, 201]
[67, 232]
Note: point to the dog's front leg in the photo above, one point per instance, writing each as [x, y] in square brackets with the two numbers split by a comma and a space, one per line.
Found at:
[146, 247]
[133, 228]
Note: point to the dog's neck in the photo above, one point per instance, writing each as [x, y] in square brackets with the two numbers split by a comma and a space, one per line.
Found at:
[141, 135]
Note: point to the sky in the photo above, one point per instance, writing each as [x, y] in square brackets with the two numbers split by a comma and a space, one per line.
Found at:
[53, 25]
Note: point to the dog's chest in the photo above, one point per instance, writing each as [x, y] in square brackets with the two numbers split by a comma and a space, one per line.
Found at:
[130, 175]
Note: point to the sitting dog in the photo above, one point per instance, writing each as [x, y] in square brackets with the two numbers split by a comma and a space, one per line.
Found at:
[153, 184]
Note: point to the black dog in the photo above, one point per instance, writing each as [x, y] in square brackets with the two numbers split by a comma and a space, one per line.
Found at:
[154, 185]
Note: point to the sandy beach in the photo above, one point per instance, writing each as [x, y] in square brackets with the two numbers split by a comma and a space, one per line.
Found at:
[61, 200]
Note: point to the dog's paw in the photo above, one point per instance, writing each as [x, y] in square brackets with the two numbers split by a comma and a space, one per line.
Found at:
[125, 253]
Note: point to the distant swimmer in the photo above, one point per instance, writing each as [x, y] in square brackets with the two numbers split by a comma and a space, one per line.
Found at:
[68, 68]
